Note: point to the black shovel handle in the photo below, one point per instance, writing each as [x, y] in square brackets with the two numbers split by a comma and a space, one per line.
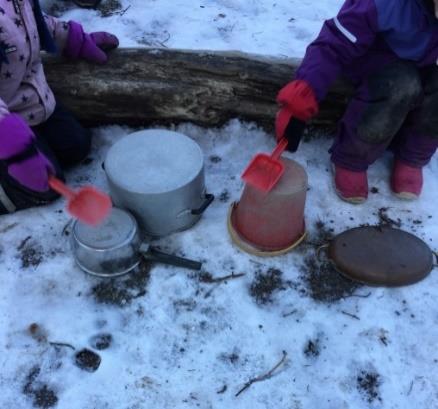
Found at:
[169, 259]
[207, 202]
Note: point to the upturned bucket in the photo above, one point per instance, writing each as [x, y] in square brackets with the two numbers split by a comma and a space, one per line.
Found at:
[272, 223]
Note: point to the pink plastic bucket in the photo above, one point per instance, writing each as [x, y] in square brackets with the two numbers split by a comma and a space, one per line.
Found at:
[271, 222]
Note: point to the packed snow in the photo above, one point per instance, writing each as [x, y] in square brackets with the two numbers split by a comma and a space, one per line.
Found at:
[171, 338]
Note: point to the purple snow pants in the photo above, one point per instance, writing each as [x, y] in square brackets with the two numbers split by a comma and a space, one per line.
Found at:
[395, 107]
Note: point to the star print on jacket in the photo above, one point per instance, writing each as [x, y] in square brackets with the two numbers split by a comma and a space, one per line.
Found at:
[23, 85]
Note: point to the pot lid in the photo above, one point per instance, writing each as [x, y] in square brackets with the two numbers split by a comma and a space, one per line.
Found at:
[117, 230]
[381, 256]
[153, 161]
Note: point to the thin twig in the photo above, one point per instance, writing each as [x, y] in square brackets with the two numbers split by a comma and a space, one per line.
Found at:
[358, 295]
[124, 11]
[263, 377]
[410, 389]
[23, 243]
[65, 231]
[232, 276]
[222, 390]
[62, 344]
[119, 12]
[351, 315]
[9, 227]
[289, 313]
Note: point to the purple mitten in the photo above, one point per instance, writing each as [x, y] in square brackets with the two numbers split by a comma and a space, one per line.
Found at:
[90, 47]
[28, 166]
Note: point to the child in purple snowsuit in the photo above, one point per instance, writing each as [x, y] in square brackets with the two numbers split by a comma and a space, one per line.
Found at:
[389, 50]
[38, 136]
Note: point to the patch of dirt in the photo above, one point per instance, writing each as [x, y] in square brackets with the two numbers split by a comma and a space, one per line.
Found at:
[265, 284]
[101, 341]
[324, 283]
[121, 291]
[321, 280]
[374, 190]
[37, 332]
[368, 384]
[43, 396]
[385, 220]
[312, 348]
[215, 159]
[60, 7]
[224, 197]
[232, 358]
[185, 305]
[322, 235]
[30, 253]
[87, 360]
[110, 7]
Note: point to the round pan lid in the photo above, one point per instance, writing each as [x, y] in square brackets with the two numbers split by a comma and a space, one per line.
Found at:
[382, 256]
[117, 230]
[153, 161]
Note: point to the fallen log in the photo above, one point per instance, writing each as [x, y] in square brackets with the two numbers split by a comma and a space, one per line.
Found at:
[143, 86]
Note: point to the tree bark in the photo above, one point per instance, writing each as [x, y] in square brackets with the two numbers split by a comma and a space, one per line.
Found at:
[143, 86]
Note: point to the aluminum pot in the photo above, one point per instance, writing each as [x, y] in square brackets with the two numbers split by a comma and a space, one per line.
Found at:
[114, 247]
[158, 176]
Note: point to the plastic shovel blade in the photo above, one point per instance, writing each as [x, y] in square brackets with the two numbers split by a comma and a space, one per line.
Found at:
[90, 206]
[263, 172]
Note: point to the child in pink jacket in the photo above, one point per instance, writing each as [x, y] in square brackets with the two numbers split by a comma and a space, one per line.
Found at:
[38, 137]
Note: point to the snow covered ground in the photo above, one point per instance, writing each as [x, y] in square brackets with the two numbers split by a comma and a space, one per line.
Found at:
[179, 340]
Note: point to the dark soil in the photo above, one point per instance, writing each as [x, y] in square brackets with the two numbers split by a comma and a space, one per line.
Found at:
[232, 358]
[215, 159]
[43, 396]
[224, 197]
[30, 253]
[87, 360]
[368, 384]
[324, 283]
[374, 190]
[385, 220]
[109, 7]
[184, 305]
[101, 341]
[121, 291]
[312, 348]
[37, 332]
[265, 284]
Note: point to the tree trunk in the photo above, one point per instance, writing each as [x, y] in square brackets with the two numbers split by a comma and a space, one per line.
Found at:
[141, 86]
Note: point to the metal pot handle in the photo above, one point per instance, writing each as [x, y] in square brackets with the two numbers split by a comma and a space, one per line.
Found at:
[207, 202]
[152, 254]
[321, 248]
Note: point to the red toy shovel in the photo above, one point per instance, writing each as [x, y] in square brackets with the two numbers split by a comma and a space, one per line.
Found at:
[264, 171]
[89, 205]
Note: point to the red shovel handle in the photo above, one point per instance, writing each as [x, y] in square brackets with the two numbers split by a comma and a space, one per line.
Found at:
[60, 187]
[279, 149]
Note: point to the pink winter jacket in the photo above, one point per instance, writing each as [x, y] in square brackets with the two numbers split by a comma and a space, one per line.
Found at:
[23, 86]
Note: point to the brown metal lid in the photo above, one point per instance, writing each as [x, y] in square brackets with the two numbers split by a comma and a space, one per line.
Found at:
[382, 256]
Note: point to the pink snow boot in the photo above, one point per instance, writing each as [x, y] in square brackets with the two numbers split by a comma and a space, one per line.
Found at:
[351, 186]
[406, 181]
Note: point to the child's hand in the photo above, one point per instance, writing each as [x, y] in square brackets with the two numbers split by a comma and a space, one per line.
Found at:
[298, 105]
[25, 164]
[90, 47]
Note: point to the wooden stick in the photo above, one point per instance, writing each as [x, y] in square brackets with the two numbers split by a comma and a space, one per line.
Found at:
[263, 377]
